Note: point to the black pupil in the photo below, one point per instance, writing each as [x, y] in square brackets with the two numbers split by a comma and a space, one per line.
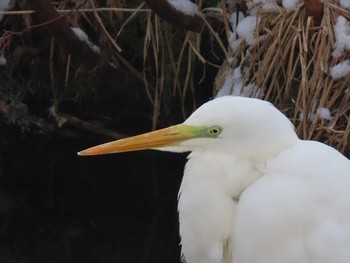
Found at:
[215, 131]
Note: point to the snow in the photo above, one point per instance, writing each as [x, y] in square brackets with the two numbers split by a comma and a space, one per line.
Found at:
[233, 40]
[4, 5]
[234, 20]
[268, 4]
[321, 113]
[184, 6]
[254, 5]
[342, 36]
[290, 5]
[344, 3]
[246, 29]
[234, 85]
[80, 34]
[84, 37]
[3, 60]
[324, 113]
[340, 70]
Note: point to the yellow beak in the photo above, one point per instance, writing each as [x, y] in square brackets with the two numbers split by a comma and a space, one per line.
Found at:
[156, 139]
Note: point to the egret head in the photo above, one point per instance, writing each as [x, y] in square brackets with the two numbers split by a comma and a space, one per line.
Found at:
[242, 126]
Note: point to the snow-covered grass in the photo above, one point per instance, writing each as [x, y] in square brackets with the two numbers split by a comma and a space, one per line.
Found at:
[233, 85]
[185, 6]
[277, 51]
[246, 29]
[342, 36]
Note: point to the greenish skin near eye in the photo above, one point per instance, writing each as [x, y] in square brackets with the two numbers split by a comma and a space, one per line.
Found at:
[215, 130]
[209, 132]
[199, 131]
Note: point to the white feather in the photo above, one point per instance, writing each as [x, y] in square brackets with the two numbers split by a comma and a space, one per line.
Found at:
[258, 194]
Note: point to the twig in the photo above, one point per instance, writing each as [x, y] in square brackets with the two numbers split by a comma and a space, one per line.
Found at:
[226, 22]
[115, 45]
[81, 10]
[138, 9]
[5, 40]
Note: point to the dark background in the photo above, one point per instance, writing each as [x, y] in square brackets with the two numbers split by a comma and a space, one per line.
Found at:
[58, 207]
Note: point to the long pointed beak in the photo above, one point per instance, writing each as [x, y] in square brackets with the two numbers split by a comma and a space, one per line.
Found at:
[156, 139]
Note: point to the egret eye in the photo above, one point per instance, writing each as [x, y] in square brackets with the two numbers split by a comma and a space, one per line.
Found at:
[215, 130]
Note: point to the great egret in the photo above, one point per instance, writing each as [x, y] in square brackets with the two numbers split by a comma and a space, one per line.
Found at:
[252, 191]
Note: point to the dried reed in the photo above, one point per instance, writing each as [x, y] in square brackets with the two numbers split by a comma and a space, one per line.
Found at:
[290, 63]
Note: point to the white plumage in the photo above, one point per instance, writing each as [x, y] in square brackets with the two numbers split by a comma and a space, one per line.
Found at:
[252, 192]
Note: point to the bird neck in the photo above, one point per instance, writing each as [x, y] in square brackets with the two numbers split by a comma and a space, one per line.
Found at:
[211, 187]
[220, 172]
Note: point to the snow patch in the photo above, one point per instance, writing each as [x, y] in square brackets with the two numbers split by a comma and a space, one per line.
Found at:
[84, 37]
[184, 6]
[342, 36]
[340, 70]
[321, 113]
[4, 5]
[235, 19]
[233, 40]
[290, 5]
[246, 29]
[234, 85]
[3, 60]
[344, 3]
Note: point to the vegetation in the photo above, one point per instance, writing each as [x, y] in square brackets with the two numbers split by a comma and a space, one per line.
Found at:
[150, 73]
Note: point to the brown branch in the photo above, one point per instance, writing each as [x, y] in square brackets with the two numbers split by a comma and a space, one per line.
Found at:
[63, 119]
[80, 51]
[167, 12]
[63, 33]
[5, 40]
[314, 8]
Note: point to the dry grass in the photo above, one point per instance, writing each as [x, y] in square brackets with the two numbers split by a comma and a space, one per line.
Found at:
[168, 54]
[290, 64]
